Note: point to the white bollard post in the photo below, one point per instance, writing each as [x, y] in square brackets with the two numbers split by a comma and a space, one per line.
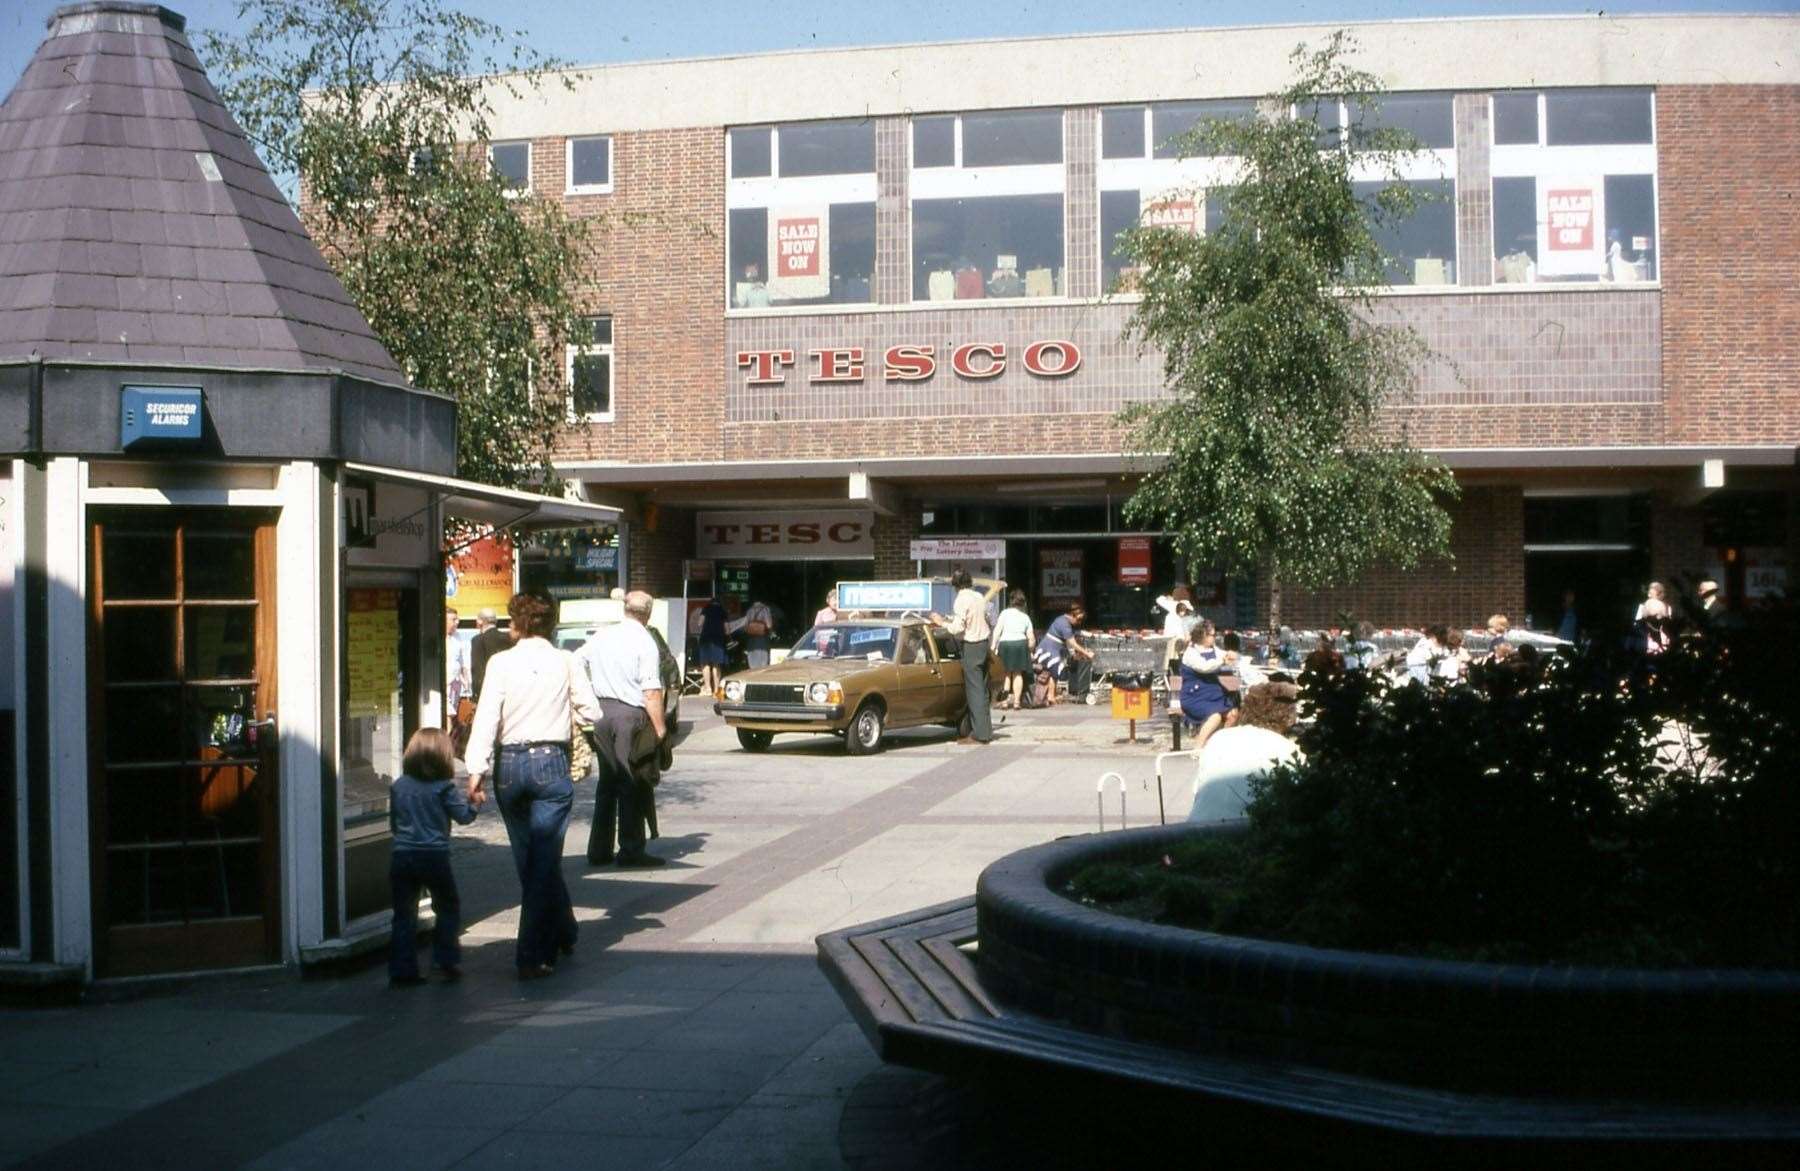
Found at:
[1100, 799]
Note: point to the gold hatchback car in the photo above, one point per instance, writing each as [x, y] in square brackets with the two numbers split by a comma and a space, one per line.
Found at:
[855, 678]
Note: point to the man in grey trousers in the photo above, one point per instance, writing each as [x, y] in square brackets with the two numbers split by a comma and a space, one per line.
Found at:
[623, 663]
[968, 621]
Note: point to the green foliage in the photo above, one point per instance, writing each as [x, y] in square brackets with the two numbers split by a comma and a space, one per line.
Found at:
[1587, 810]
[1273, 453]
[363, 102]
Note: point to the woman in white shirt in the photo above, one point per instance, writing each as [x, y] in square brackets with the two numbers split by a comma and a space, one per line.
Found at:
[1422, 661]
[530, 699]
[1013, 639]
[1652, 620]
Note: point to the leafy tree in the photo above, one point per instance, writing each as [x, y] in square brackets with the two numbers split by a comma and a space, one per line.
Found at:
[471, 287]
[1274, 452]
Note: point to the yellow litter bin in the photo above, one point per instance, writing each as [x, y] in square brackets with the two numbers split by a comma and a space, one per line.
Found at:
[1131, 699]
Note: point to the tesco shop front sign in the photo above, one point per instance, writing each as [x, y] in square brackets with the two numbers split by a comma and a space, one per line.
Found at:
[784, 536]
[974, 361]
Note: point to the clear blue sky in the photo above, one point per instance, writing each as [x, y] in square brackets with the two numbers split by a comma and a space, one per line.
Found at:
[595, 31]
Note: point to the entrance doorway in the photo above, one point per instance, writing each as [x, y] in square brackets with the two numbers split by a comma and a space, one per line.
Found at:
[182, 778]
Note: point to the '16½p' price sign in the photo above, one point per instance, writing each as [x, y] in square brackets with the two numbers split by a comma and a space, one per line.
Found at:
[1059, 577]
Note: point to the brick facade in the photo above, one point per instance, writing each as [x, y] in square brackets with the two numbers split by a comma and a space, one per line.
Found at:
[655, 557]
[893, 543]
[1706, 358]
[1486, 575]
[656, 263]
[1729, 159]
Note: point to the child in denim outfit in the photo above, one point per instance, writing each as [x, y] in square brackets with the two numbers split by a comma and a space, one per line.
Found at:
[421, 804]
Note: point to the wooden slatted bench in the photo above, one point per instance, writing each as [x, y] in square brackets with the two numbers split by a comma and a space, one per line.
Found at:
[911, 983]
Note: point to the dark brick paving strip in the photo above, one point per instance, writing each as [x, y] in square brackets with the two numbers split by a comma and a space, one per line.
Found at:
[737, 882]
[239, 1117]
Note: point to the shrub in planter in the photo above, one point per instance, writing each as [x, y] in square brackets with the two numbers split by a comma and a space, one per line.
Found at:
[1593, 807]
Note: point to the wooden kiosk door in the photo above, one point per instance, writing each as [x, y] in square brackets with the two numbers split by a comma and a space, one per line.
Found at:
[181, 740]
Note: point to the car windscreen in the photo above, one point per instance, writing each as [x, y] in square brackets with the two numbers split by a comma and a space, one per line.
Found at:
[847, 640]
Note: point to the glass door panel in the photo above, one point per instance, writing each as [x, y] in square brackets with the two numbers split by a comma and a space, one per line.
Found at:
[183, 773]
[381, 646]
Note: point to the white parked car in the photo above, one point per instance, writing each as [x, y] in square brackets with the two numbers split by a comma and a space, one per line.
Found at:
[581, 619]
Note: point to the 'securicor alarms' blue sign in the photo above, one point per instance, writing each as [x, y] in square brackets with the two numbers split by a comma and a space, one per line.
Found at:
[888, 595]
[161, 414]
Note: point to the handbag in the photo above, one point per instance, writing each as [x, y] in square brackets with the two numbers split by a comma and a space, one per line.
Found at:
[756, 628]
[581, 753]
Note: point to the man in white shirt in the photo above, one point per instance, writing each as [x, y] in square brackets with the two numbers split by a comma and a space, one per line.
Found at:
[456, 668]
[626, 670]
[968, 621]
[530, 699]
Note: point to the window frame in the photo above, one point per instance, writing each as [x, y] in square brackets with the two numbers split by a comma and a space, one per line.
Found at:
[771, 191]
[570, 187]
[1154, 179]
[511, 191]
[1542, 161]
[955, 181]
[573, 350]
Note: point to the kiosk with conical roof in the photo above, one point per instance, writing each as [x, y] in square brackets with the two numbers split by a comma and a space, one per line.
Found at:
[222, 514]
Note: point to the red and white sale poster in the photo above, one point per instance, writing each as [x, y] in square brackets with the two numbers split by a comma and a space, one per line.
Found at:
[1571, 226]
[1059, 576]
[1179, 212]
[799, 251]
[1134, 561]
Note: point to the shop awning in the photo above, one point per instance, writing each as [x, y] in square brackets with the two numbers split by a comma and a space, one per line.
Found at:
[500, 507]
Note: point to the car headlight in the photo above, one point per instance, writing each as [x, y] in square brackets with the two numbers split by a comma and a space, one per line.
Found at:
[734, 691]
[822, 692]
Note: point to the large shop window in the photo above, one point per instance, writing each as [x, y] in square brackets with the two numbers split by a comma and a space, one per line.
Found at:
[1428, 117]
[842, 235]
[800, 224]
[1152, 173]
[1575, 186]
[1421, 249]
[1122, 210]
[989, 246]
[987, 210]
[1160, 131]
[589, 370]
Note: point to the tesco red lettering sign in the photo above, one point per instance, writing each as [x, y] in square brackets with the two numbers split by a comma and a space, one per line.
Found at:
[974, 361]
[788, 536]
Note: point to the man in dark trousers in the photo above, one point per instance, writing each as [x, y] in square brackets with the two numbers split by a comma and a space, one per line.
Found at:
[968, 621]
[489, 641]
[623, 663]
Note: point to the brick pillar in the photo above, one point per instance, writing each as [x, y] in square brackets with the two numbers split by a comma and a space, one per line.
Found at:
[1677, 552]
[1081, 203]
[1474, 191]
[893, 541]
[893, 212]
[654, 559]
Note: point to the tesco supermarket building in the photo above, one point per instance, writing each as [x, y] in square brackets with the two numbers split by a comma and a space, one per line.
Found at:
[848, 301]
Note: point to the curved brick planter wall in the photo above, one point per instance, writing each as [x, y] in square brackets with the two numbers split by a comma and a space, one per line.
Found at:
[1727, 1035]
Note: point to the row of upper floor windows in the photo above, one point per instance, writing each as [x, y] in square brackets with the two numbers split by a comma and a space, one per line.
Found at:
[1000, 138]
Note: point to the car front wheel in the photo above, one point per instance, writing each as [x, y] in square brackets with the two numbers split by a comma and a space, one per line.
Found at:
[754, 741]
[864, 733]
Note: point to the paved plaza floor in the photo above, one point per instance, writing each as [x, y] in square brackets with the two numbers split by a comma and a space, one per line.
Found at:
[691, 1029]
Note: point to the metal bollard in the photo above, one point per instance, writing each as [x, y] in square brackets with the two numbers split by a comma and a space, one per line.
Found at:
[1100, 799]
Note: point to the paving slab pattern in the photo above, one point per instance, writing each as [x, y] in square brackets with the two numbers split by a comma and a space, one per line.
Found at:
[692, 1028]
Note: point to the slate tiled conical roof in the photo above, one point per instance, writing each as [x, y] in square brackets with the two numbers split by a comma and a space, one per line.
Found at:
[137, 224]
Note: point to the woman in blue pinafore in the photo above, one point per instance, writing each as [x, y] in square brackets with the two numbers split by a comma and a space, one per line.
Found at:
[1204, 702]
